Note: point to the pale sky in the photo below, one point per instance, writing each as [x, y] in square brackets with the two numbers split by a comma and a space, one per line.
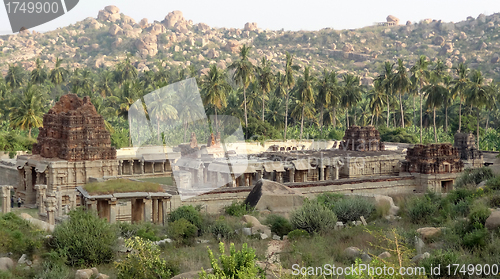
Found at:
[274, 15]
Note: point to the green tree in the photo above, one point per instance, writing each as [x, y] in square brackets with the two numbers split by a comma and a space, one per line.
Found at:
[435, 92]
[328, 94]
[15, 76]
[384, 80]
[419, 78]
[38, 75]
[58, 75]
[28, 110]
[290, 70]
[215, 90]
[265, 79]
[125, 70]
[351, 94]
[377, 101]
[305, 94]
[243, 74]
[461, 82]
[104, 86]
[401, 83]
[163, 110]
[479, 95]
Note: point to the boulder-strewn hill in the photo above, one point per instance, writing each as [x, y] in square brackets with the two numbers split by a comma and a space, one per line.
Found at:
[104, 41]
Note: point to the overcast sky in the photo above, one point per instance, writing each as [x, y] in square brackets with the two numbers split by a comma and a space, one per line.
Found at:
[274, 14]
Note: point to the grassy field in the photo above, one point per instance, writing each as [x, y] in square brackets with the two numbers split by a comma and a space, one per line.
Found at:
[166, 180]
[121, 186]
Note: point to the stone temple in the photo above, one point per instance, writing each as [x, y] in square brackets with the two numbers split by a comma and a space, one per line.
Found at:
[74, 149]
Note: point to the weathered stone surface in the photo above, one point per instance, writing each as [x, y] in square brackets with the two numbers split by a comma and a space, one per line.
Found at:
[147, 45]
[6, 264]
[172, 18]
[432, 158]
[250, 219]
[83, 274]
[466, 146]
[362, 139]
[232, 46]
[439, 40]
[429, 232]
[73, 130]
[420, 257]
[250, 26]
[274, 196]
[102, 276]
[384, 255]
[392, 20]
[493, 221]
[115, 30]
[352, 252]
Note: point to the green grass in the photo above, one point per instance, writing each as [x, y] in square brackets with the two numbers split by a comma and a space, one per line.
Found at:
[121, 186]
[166, 180]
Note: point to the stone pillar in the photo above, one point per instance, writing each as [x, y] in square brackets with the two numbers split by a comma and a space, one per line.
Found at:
[72, 200]
[50, 205]
[5, 194]
[155, 211]
[142, 166]
[161, 204]
[243, 179]
[162, 167]
[153, 167]
[131, 167]
[120, 165]
[137, 210]
[40, 201]
[30, 196]
[321, 170]
[279, 177]
[337, 172]
[164, 214]
[58, 193]
[304, 176]
[112, 210]
[291, 174]
[147, 209]
[91, 205]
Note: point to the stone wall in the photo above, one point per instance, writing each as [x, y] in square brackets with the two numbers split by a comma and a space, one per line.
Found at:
[362, 139]
[9, 175]
[432, 158]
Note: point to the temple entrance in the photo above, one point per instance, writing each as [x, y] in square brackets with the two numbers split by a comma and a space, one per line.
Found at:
[446, 186]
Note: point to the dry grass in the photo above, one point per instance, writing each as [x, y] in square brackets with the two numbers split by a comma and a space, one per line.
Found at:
[121, 186]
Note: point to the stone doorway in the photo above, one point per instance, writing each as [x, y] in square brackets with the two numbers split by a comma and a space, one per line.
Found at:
[446, 186]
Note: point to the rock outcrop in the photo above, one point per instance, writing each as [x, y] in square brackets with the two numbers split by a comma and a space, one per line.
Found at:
[250, 26]
[147, 45]
[274, 196]
[110, 13]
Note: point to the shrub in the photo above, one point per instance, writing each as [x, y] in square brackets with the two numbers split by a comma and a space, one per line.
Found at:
[494, 200]
[187, 212]
[18, 236]
[494, 183]
[420, 210]
[279, 224]
[441, 259]
[144, 263]
[258, 130]
[329, 199]
[313, 217]
[479, 213]
[221, 228]
[183, 231]
[85, 239]
[238, 209]
[238, 264]
[351, 209]
[472, 177]
[296, 234]
[144, 230]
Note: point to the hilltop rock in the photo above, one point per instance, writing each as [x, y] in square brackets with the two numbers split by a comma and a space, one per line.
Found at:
[143, 23]
[173, 18]
[117, 42]
[182, 27]
[147, 45]
[439, 41]
[115, 30]
[94, 24]
[232, 46]
[128, 20]
[348, 47]
[212, 53]
[408, 23]
[463, 36]
[392, 19]
[495, 59]
[250, 26]
[112, 9]
[157, 29]
[202, 27]
[110, 13]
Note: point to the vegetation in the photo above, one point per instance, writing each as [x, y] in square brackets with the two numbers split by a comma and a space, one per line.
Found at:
[187, 212]
[238, 209]
[121, 186]
[313, 217]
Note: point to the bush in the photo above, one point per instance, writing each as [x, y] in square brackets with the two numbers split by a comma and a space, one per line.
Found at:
[472, 177]
[145, 230]
[279, 224]
[187, 212]
[238, 264]
[85, 239]
[144, 263]
[313, 217]
[296, 234]
[238, 209]
[329, 199]
[351, 209]
[494, 200]
[222, 228]
[18, 236]
[420, 210]
[259, 130]
[183, 231]
[440, 258]
[493, 183]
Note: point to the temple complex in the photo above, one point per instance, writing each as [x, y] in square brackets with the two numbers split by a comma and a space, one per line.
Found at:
[469, 154]
[362, 139]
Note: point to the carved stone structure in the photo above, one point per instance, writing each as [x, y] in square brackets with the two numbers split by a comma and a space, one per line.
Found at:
[5, 195]
[362, 139]
[211, 140]
[74, 131]
[193, 143]
[466, 146]
[432, 158]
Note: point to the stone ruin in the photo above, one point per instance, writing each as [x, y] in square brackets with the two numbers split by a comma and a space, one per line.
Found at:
[362, 139]
[432, 159]
[74, 131]
[213, 141]
[193, 143]
[466, 146]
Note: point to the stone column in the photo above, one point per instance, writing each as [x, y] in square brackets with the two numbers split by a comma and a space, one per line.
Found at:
[153, 167]
[58, 193]
[40, 201]
[30, 196]
[291, 174]
[337, 172]
[91, 205]
[142, 166]
[112, 210]
[50, 205]
[72, 200]
[164, 214]
[137, 210]
[155, 211]
[279, 177]
[5, 193]
[120, 165]
[162, 167]
[131, 167]
[147, 209]
[161, 204]
[321, 170]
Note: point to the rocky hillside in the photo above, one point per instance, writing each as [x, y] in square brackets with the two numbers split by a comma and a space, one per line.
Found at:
[104, 41]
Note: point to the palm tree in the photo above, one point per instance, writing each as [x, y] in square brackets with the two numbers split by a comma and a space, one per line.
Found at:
[461, 82]
[447, 98]
[82, 82]
[243, 74]
[105, 84]
[351, 94]
[163, 110]
[305, 94]
[215, 89]
[28, 110]
[15, 76]
[189, 110]
[130, 92]
[479, 95]
[385, 81]
[419, 78]
[58, 75]
[125, 70]
[435, 92]
[377, 101]
[265, 80]
[401, 83]
[290, 70]
[327, 94]
[38, 75]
